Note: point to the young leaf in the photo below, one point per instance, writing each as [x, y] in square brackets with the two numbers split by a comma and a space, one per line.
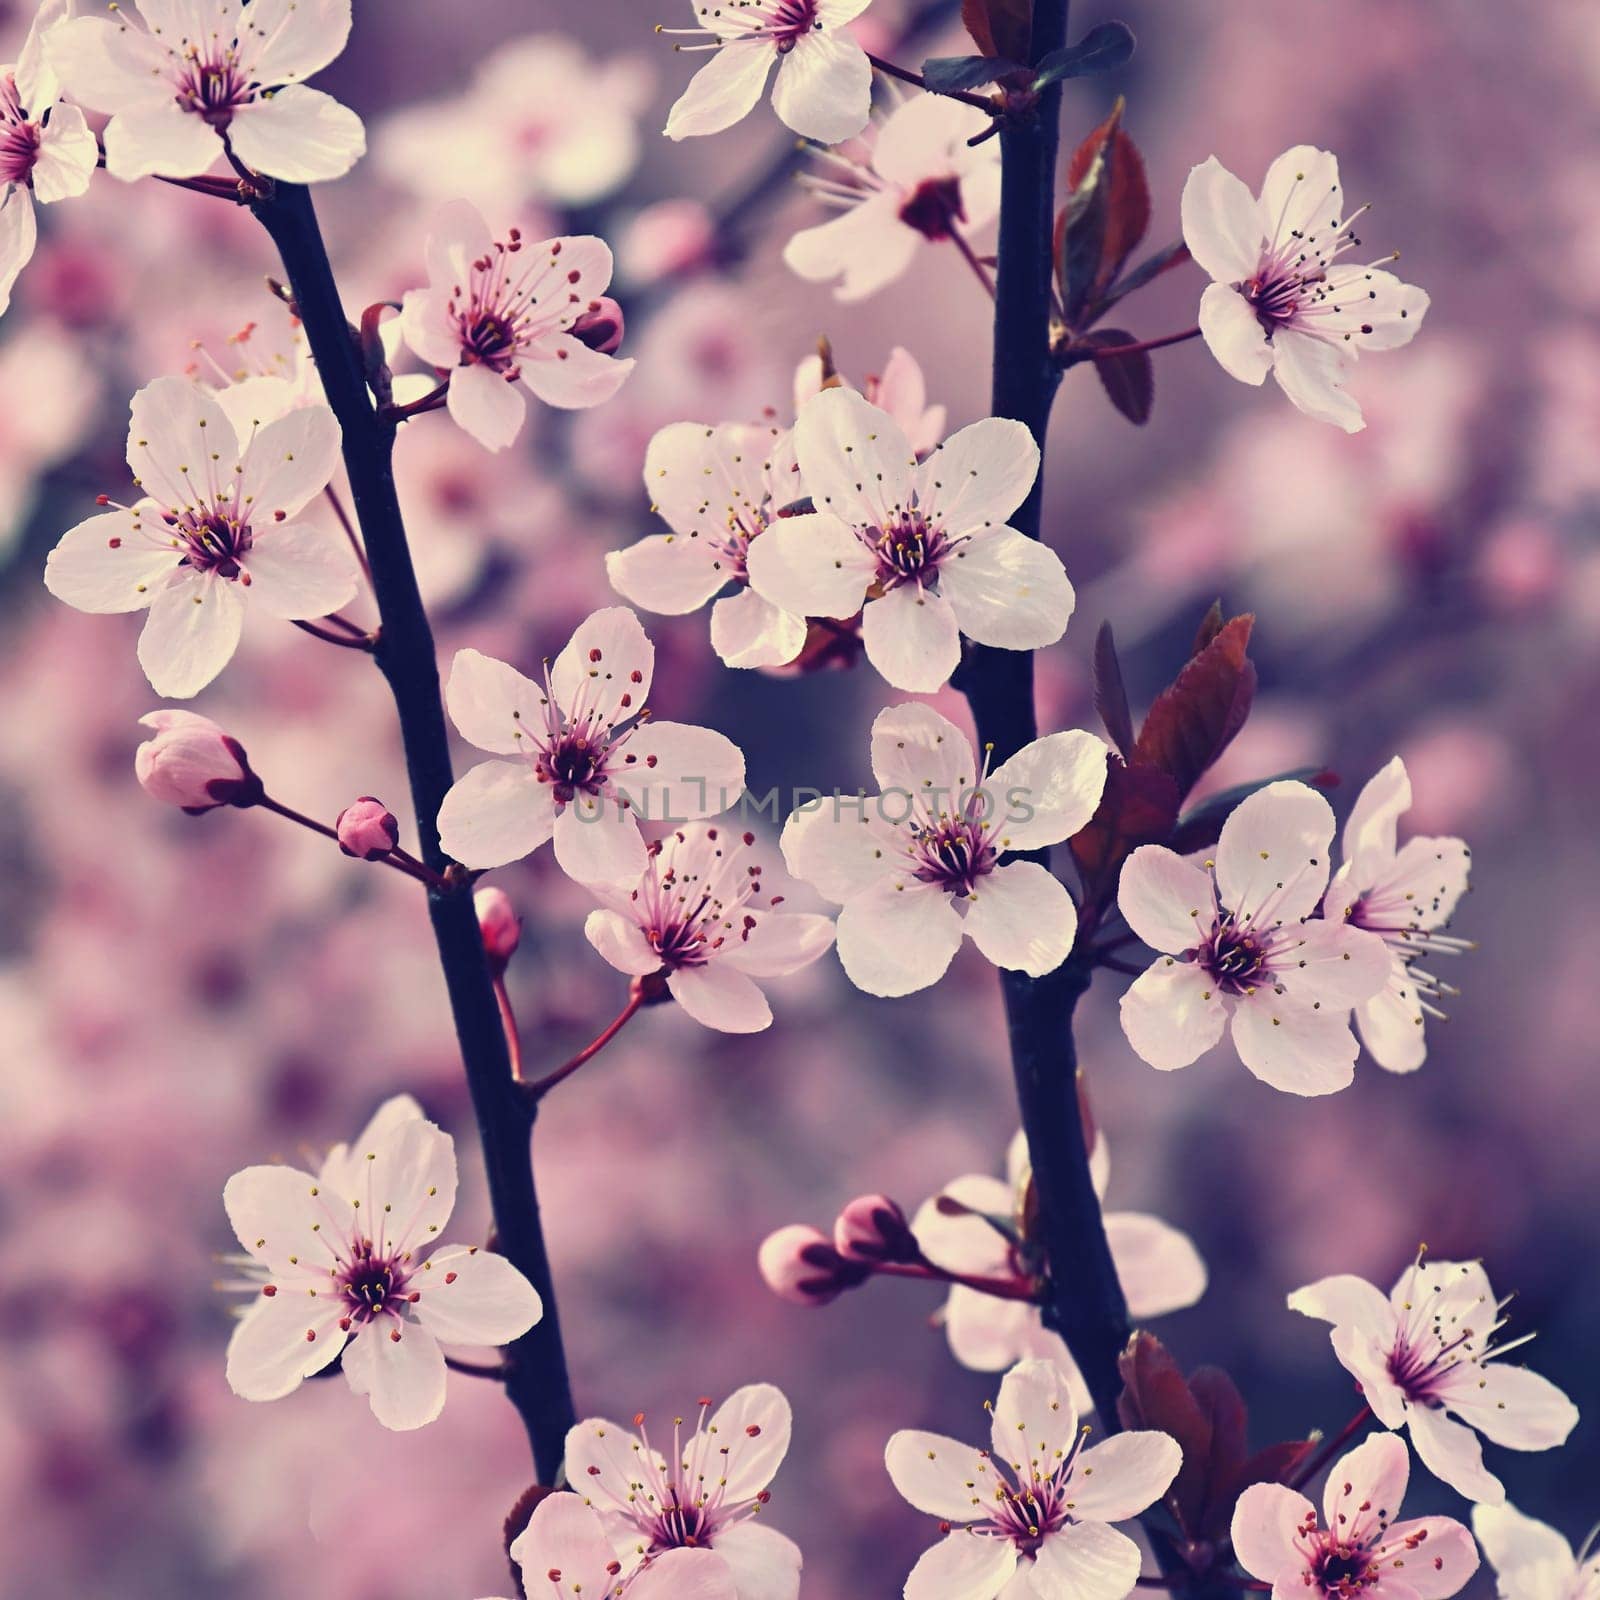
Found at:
[999, 27]
[1148, 270]
[1139, 806]
[946, 74]
[1110, 695]
[1210, 626]
[1106, 215]
[1129, 381]
[1101, 49]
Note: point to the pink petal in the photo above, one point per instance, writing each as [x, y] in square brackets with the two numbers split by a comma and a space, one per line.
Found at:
[839, 846]
[606, 667]
[1022, 918]
[1301, 194]
[824, 87]
[753, 1426]
[1035, 1420]
[289, 462]
[940, 1476]
[409, 1183]
[1088, 1561]
[810, 566]
[299, 135]
[300, 570]
[1007, 590]
[1523, 1550]
[403, 1379]
[1166, 900]
[918, 755]
[749, 631]
[722, 92]
[1265, 1522]
[1272, 856]
[761, 1563]
[1333, 964]
[483, 404]
[1233, 335]
[159, 140]
[1312, 373]
[622, 943]
[597, 841]
[269, 1353]
[474, 1297]
[191, 634]
[109, 563]
[781, 942]
[666, 573]
[1365, 1487]
[718, 996]
[564, 372]
[1348, 1301]
[492, 705]
[497, 812]
[1221, 222]
[979, 476]
[1048, 790]
[688, 1575]
[1435, 1556]
[854, 459]
[912, 638]
[280, 1212]
[1172, 1015]
[963, 1566]
[866, 248]
[1158, 1266]
[566, 1535]
[895, 941]
[297, 37]
[1284, 1041]
[670, 771]
[1451, 1452]
[1514, 1407]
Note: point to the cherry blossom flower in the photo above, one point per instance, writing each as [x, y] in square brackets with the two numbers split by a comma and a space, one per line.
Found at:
[1158, 1266]
[215, 528]
[706, 914]
[500, 311]
[585, 758]
[47, 152]
[918, 866]
[1238, 948]
[924, 547]
[824, 86]
[1531, 1560]
[193, 764]
[353, 1273]
[900, 389]
[1034, 1510]
[1363, 1551]
[1280, 301]
[717, 489]
[182, 84]
[564, 1551]
[708, 1493]
[1406, 896]
[918, 182]
[1425, 1357]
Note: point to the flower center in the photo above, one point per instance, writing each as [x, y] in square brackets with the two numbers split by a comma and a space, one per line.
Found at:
[19, 137]
[213, 541]
[213, 88]
[1027, 1517]
[1236, 960]
[573, 764]
[489, 338]
[371, 1284]
[789, 21]
[1345, 1572]
[953, 853]
[934, 207]
[690, 908]
[909, 551]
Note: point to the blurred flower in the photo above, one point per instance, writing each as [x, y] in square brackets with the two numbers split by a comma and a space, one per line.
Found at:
[666, 238]
[499, 924]
[1277, 302]
[1238, 947]
[824, 87]
[367, 829]
[1037, 1499]
[176, 99]
[205, 539]
[1425, 1350]
[705, 913]
[374, 1299]
[802, 1265]
[46, 149]
[1531, 1560]
[1407, 897]
[919, 182]
[588, 760]
[488, 321]
[918, 866]
[900, 390]
[192, 763]
[922, 551]
[718, 489]
[707, 1494]
[1158, 1266]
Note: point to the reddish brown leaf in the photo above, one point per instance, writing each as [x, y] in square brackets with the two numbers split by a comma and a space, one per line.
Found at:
[1106, 215]
[999, 27]
[1210, 627]
[1155, 1395]
[1139, 806]
[1110, 696]
[1129, 381]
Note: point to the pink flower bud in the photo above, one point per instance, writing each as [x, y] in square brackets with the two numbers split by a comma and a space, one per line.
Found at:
[500, 926]
[192, 763]
[873, 1228]
[600, 327]
[799, 1263]
[367, 829]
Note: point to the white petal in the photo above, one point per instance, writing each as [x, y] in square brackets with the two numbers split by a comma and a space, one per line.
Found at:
[1312, 373]
[1272, 856]
[564, 372]
[1008, 590]
[110, 563]
[1391, 1024]
[621, 942]
[762, 1563]
[299, 135]
[1265, 1524]
[492, 704]
[1518, 1545]
[603, 1460]
[894, 941]
[718, 996]
[495, 813]
[68, 155]
[1221, 222]
[1125, 1475]
[277, 1214]
[666, 573]
[963, 1566]
[1451, 1452]
[966, 1243]
[838, 846]
[1370, 833]
[941, 1476]
[475, 1297]
[1022, 918]
[409, 1187]
[672, 771]
[426, 327]
[1157, 1265]
[1286, 1043]
[749, 631]
[1034, 1417]
[866, 248]
[300, 570]
[1234, 335]
[781, 942]
[177, 437]
[269, 1352]
[752, 1427]
[1301, 195]
[109, 66]
[912, 638]
[1514, 1407]
[1172, 1015]
[979, 476]
[483, 404]
[298, 37]
[1347, 1301]
[403, 1378]
[811, 566]
[854, 459]
[191, 634]
[824, 87]
[19, 236]
[1086, 1561]
[1049, 789]
[159, 140]
[344, 1159]
[686, 1575]
[922, 755]
[597, 841]
[989, 1335]
[722, 92]
[1331, 964]
[1385, 313]
[566, 1535]
[606, 667]
[1165, 899]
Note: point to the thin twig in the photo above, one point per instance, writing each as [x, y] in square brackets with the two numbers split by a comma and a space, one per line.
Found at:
[969, 255]
[508, 1020]
[916, 78]
[1105, 352]
[345, 641]
[539, 1089]
[349, 529]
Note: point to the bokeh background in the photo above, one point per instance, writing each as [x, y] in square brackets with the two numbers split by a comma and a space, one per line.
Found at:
[180, 997]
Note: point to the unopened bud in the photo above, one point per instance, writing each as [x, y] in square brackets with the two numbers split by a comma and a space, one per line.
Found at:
[500, 926]
[193, 763]
[873, 1228]
[367, 829]
[600, 327]
[799, 1263]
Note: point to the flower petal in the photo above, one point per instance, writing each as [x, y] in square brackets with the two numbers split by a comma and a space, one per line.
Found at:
[894, 941]
[1035, 1421]
[398, 1365]
[68, 155]
[722, 92]
[290, 461]
[282, 1340]
[719, 996]
[109, 66]
[1434, 1556]
[854, 458]
[484, 405]
[110, 563]
[1086, 1561]
[1265, 1523]
[780, 943]
[839, 846]
[690, 1575]
[749, 631]
[1221, 222]
[1366, 1486]
[962, 1566]
[278, 1213]
[810, 566]
[297, 569]
[1331, 963]
[159, 140]
[673, 771]
[1172, 1014]
[1234, 335]
[297, 37]
[1124, 1475]
[191, 634]
[1514, 1407]
[824, 87]
[566, 1535]
[622, 943]
[1165, 899]
[1157, 1265]
[919, 754]
[1287, 1042]
[752, 1426]
[1008, 590]
[1300, 195]
[19, 237]
[1272, 856]
[298, 135]
[1451, 1452]
[1347, 1301]
[979, 476]
[939, 1475]
[666, 573]
[606, 667]
[176, 435]
[495, 813]
[912, 638]
[1312, 373]
[1523, 1550]
[761, 1564]
[866, 248]
[564, 372]
[493, 705]
[1049, 789]
[472, 1296]
[1022, 918]
[597, 841]
[409, 1186]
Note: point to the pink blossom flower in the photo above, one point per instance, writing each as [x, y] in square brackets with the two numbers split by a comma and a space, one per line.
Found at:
[352, 1272]
[919, 182]
[585, 758]
[706, 913]
[824, 87]
[564, 1551]
[1238, 948]
[1406, 896]
[706, 1494]
[194, 764]
[181, 84]
[1158, 1266]
[918, 867]
[215, 528]
[1278, 1537]
[1425, 1356]
[62, 378]
[47, 152]
[1278, 302]
[718, 489]
[1531, 1560]
[367, 828]
[900, 389]
[1033, 1512]
[923, 548]
[497, 312]
[499, 924]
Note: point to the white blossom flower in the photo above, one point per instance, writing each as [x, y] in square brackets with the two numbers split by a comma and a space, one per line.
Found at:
[824, 86]
[47, 152]
[1425, 1356]
[1406, 896]
[707, 912]
[900, 389]
[1031, 1515]
[1531, 1560]
[708, 1493]
[354, 1270]
[918, 866]
[923, 548]
[1363, 1550]
[215, 528]
[585, 761]
[497, 312]
[1280, 301]
[919, 182]
[1158, 1266]
[180, 82]
[717, 489]
[1237, 947]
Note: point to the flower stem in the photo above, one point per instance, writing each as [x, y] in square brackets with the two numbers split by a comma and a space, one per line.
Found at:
[349, 529]
[508, 1021]
[916, 78]
[997, 1288]
[536, 1379]
[1106, 351]
[397, 858]
[1307, 1473]
[968, 255]
[348, 641]
[542, 1086]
